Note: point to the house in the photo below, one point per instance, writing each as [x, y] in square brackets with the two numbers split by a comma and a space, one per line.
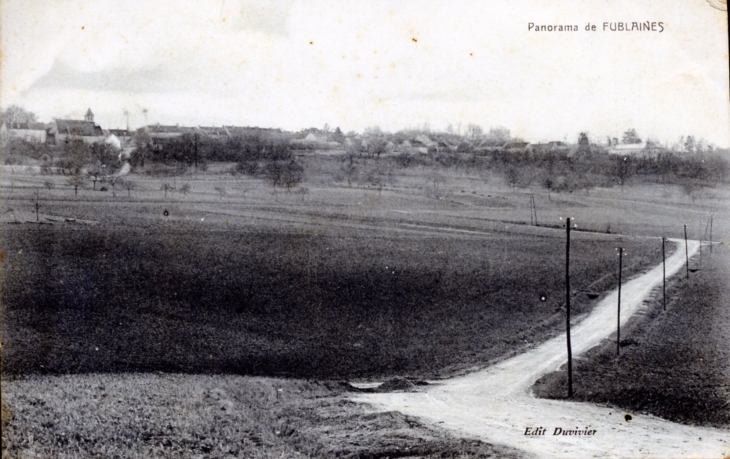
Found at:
[214, 132]
[423, 144]
[447, 145]
[243, 131]
[85, 130]
[161, 131]
[517, 146]
[30, 132]
[626, 148]
[124, 136]
[642, 150]
[556, 146]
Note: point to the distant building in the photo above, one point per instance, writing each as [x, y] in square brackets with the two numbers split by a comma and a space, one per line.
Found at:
[517, 146]
[30, 132]
[642, 150]
[160, 131]
[85, 130]
[124, 136]
[555, 146]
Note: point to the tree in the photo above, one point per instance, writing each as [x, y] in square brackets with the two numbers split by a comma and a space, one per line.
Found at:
[95, 173]
[292, 174]
[499, 134]
[16, 114]
[76, 180]
[326, 132]
[373, 131]
[377, 146]
[129, 186]
[631, 137]
[349, 168]
[338, 136]
[622, 170]
[512, 175]
[221, 191]
[584, 144]
[474, 131]
[549, 184]
[689, 144]
[435, 186]
[274, 171]
[185, 189]
[167, 187]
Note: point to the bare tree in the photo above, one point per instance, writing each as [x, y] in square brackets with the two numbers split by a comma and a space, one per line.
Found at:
[513, 176]
[435, 186]
[17, 114]
[622, 170]
[221, 191]
[185, 189]
[631, 137]
[292, 175]
[76, 180]
[549, 185]
[377, 146]
[167, 187]
[474, 131]
[349, 168]
[129, 186]
[274, 171]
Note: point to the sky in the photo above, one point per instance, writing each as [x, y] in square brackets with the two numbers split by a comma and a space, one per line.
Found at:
[357, 64]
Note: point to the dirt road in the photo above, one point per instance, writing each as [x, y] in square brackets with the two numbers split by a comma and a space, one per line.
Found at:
[495, 404]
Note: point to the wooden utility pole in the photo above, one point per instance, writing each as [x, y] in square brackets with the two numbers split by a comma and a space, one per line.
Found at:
[710, 233]
[686, 251]
[37, 205]
[664, 274]
[195, 137]
[700, 231]
[567, 307]
[618, 315]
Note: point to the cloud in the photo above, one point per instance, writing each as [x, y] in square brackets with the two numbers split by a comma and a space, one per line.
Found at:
[63, 76]
[259, 15]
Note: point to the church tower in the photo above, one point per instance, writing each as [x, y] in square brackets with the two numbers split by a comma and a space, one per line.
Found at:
[89, 116]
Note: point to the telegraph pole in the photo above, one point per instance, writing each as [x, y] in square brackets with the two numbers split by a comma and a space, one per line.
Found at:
[700, 231]
[195, 137]
[618, 315]
[686, 251]
[567, 307]
[664, 273]
[37, 205]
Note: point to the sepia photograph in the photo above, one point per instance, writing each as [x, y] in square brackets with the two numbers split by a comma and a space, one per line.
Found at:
[365, 229]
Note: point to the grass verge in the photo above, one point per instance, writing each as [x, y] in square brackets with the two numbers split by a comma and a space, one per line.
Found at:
[673, 364]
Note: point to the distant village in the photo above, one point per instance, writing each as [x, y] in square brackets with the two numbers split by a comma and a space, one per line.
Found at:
[84, 151]
[414, 141]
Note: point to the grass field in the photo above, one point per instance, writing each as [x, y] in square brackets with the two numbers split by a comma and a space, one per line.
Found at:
[100, 299]
[185, 416]
[328, 281]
